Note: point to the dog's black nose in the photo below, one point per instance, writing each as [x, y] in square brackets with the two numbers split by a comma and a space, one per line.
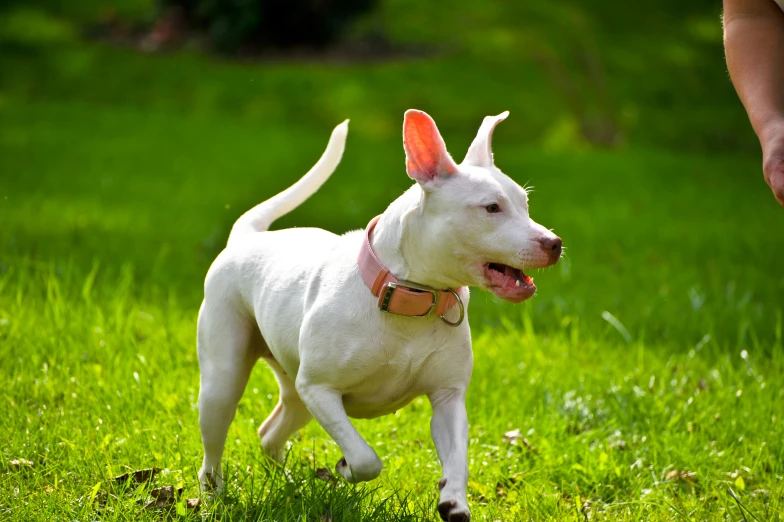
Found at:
[552, 247]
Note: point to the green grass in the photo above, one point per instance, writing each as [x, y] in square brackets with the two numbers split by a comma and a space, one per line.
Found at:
[99, 380]
[655, 347]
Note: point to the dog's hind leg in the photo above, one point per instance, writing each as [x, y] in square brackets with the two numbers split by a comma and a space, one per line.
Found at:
[227, 352]
[289, 415]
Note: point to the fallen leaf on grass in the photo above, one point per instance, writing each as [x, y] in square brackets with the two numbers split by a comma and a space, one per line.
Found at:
[167, 497]
[513, 436]
[18, 464]
[680, 474]
[138, 476]
[165, 493]
[157, 503]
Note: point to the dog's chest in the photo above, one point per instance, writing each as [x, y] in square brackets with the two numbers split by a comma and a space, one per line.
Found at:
[397, 375]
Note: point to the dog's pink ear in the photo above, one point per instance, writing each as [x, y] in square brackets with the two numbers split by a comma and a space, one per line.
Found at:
[479, 153]
[426, 155]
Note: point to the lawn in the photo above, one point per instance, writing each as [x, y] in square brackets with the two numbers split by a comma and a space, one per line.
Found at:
[644, 382]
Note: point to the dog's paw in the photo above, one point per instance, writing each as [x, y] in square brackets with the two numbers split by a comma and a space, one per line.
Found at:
[359, 472]
[343, 470]
[274, 452]
[210, 483]
[453, 511]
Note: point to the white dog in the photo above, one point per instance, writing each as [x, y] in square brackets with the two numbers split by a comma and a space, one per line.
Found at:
[358, 325]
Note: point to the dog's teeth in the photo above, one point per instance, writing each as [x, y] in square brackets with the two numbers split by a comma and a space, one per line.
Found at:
[517, 282]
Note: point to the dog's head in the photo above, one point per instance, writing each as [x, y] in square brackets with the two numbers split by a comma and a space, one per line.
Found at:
[474, 218]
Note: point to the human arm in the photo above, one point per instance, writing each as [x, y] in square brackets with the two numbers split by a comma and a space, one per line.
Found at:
[754, 45]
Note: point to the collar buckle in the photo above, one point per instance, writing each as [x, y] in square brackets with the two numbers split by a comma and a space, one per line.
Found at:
[388, 289]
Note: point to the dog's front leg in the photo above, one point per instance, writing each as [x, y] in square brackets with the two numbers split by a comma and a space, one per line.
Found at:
[449, 427]
[359, 462]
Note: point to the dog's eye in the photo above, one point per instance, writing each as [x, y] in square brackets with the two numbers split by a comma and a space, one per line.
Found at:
[494, 208]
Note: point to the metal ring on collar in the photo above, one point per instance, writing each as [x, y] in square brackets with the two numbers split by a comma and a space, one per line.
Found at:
[462, 311]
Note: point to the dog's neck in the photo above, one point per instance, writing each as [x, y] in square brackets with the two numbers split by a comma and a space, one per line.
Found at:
[399, 241]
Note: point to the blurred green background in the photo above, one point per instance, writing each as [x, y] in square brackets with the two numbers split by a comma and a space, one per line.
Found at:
[623, 120]
[132, 137]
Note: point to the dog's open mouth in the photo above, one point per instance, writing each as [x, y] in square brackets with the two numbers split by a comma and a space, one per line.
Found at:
[508, 283]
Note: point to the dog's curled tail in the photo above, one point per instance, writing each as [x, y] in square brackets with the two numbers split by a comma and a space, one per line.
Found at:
[260, 217]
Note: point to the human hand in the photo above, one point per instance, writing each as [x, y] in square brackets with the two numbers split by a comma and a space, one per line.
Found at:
[772, 141]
